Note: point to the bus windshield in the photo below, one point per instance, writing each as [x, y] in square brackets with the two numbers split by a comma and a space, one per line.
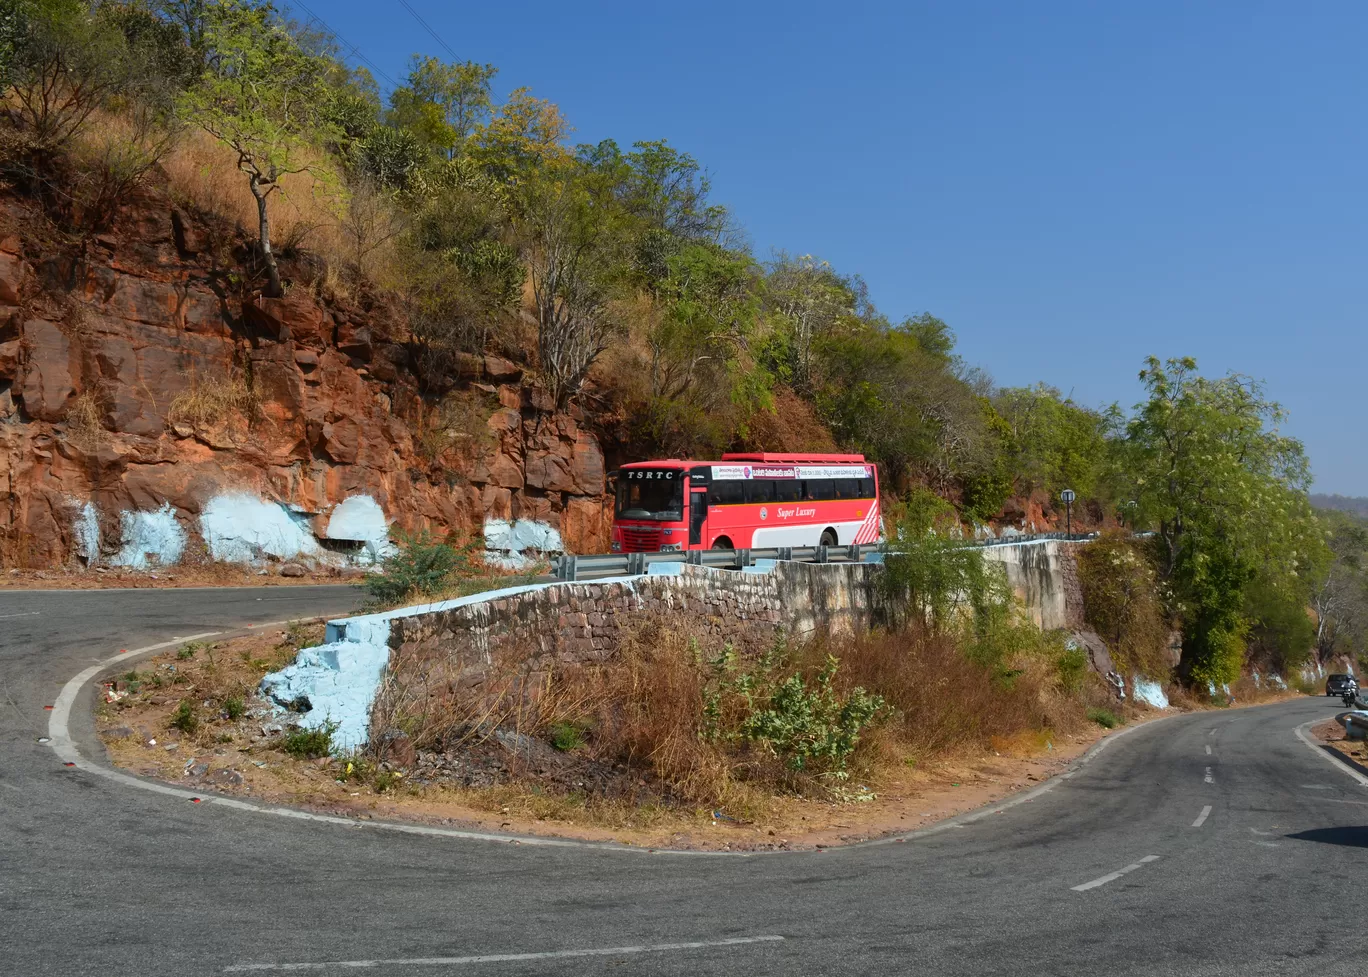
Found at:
[645, 493]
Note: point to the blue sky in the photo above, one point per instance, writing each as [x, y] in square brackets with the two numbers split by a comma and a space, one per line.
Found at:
[1072, 186]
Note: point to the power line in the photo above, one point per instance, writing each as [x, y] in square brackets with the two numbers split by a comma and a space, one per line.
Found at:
[437, 37]
[345, 43]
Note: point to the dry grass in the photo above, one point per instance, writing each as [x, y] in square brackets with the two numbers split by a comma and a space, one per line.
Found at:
[456, 429]
[202, 175]
[84, 422]
[645, 710]
[948, 705]
[214, 398]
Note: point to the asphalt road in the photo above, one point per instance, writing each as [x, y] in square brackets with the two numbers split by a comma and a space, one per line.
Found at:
[100, 878]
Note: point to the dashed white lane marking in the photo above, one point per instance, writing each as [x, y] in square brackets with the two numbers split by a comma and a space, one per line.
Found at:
[24, 614]
[1202, 817]
[1208, 778]
[1314, 748]
[612, 951]
[1113, 876]
[1208, 751]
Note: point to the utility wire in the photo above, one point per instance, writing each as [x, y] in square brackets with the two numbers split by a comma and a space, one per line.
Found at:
[437, 37]
[345, 43]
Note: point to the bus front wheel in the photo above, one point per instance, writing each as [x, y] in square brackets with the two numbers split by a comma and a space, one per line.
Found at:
[723, 543]
[828, 537]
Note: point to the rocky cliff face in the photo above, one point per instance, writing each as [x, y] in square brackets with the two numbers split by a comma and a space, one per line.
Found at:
[152, 410]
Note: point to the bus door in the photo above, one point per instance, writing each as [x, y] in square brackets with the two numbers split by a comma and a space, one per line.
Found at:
[698, 505]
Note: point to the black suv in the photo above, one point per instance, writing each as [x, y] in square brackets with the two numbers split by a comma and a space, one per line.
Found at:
[1339, 684]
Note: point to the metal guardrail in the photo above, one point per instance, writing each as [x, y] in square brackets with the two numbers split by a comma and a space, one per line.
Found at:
[590, 567]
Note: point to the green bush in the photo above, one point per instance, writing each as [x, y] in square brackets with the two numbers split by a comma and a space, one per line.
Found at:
[804, 722]
[1072, 665]
[420, 567]
[234, 707]
[308, 744]
[1104, 718]
[567, 736]
[933, 574]
[184, 718]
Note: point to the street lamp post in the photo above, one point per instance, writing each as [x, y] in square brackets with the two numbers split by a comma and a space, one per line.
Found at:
[1068, 496]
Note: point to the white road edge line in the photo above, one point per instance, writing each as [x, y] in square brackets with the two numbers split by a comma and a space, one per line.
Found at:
[1113, 876]
[1202, 817]
[500, 957]
[1316, 749]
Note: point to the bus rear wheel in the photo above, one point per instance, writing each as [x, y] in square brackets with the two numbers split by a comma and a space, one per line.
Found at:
[828, 537]
[723, 543]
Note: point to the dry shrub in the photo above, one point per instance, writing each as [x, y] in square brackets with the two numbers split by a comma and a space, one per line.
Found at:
[456, 428]
[946, 703]
[646, 709]
[112, 158]
[653, 709]
[211, 399]
[84, 425]
[1121, 603]
[442, 700]
[793, 425]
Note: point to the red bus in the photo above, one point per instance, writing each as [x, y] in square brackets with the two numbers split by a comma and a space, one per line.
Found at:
[746, 501]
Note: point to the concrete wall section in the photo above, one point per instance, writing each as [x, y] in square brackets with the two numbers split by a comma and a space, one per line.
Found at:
[1044, 575]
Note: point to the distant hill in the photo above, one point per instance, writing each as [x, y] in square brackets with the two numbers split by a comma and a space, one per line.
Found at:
[1344, 503]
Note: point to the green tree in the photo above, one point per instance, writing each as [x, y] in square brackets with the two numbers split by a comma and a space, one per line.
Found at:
[1225, 492]
[943, 582]
[1054, 443]
[909, 405]
[524, 136]
[704, 378]
[266, 99]
[443, 103]
[807, 301]
[1340, 594]
[65, 60]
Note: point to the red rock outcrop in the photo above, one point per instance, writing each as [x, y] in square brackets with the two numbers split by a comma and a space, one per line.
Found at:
[149, 322]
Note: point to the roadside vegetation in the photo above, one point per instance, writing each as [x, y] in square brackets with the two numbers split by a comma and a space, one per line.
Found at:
[423, 568]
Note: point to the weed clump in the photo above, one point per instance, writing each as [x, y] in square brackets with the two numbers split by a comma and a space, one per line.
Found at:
[567, 736]
[1104, 718]
[185, 718]
[309, 744]
[421, 566]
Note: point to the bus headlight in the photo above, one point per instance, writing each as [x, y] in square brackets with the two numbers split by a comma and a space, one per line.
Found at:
[615, 547]
[671, 547]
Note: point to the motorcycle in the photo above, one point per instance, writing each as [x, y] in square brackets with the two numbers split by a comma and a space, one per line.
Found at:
[1350, 696]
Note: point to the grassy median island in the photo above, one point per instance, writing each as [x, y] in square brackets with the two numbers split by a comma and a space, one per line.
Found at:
[673, 741]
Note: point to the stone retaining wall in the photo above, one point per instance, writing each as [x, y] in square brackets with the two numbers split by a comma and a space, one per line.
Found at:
[583, 622]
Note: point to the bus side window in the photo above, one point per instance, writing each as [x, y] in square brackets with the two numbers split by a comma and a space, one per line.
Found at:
[818, 490]
[759, 491]
[846, 488]
[726, 493]
[866, 488]
[788, 490]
